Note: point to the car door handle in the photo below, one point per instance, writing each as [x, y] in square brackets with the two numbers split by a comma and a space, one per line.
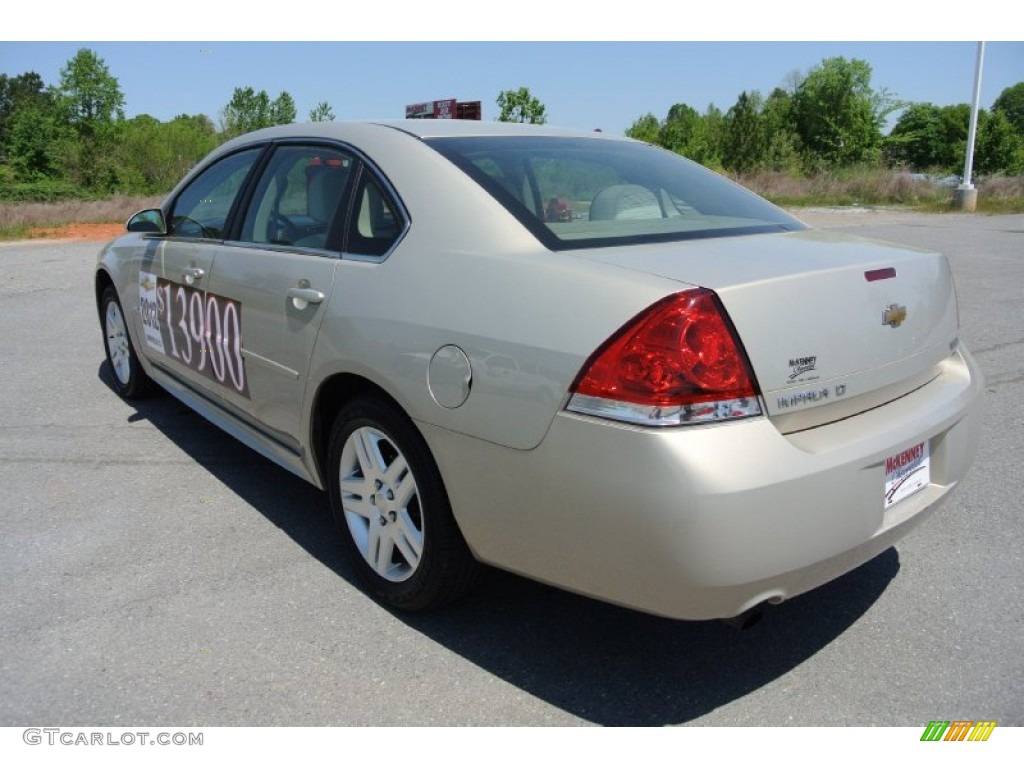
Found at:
[191, 274]
[303, 297]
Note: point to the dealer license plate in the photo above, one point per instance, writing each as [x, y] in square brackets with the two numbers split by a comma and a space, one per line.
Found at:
[906, 473]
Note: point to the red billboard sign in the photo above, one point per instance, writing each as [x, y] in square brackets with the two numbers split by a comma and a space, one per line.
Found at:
[437, 110]
[444, 110]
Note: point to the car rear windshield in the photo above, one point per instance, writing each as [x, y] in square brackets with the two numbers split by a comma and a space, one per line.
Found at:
[585, 193]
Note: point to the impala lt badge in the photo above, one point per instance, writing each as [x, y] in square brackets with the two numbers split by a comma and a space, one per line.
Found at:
[810, 397]
[894, 315]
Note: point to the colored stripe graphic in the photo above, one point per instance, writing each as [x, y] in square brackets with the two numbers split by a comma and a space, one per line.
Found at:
[982, 730]
[958, 730]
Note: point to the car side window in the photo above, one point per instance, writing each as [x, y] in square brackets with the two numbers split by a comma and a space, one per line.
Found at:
[297, 197]
[376, 222]
[202, 208]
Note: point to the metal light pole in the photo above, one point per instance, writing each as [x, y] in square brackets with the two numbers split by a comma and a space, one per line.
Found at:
[965, 196]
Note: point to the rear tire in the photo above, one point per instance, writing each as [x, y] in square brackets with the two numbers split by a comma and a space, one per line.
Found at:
[130, 379]
[392, 511]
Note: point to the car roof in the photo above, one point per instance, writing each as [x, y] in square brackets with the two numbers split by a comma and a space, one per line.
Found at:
[440, 128]
[424, 129]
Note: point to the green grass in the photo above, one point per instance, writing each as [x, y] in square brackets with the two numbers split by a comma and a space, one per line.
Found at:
[986, 205]
[999, 205]
[14, 231]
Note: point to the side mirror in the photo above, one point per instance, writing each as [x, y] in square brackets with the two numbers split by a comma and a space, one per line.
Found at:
[149, 220]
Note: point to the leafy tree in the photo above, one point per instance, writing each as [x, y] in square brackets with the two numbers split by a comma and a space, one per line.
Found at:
[282, 109]
[954, 121]
[76, 133]
[1011, 103]
[746, 141]
[29, 127]
[699, 137]
[34, 135]
[20, 92]
[250, 110]
[838, 115]
[709, 150]
[783, 150]
[519, 106]
[90, 104]
[680, 128]
[199, 123]
[88, 93]
[188, 139]
[247, 111]
[321, 113]
[927, 137]
[645, 128]
[999, 147]
[154, 155]
[917, 139]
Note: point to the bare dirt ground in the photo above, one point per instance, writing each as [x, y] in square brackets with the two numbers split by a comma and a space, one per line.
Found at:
[98, 232]
[90, 220]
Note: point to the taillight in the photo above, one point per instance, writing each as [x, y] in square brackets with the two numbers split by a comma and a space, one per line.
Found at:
[678, 362]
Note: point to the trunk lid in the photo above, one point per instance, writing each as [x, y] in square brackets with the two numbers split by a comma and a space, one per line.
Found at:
[832, 324]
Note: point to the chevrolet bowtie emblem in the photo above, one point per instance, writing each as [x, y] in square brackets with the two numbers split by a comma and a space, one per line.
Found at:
[894, 315]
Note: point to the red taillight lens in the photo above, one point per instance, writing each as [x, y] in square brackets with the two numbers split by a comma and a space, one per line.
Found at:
[678, 362]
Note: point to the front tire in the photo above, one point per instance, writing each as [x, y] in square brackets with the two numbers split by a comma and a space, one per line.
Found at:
[130, 380]
[392, 511]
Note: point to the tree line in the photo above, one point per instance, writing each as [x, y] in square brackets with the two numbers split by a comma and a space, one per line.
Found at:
[71, 139]
[833, 118]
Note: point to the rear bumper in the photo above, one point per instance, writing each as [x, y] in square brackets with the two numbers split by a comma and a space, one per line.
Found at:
[706, 522]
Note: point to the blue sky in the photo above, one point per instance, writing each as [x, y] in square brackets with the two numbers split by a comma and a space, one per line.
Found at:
[583, 84]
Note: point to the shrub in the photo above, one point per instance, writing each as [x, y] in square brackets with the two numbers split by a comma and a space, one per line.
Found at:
[46, 191]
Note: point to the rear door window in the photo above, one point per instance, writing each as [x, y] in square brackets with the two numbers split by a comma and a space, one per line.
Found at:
[298, 197]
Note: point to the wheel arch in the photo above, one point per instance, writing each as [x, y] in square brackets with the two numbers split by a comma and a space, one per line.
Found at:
[103, 280]
[331, 396]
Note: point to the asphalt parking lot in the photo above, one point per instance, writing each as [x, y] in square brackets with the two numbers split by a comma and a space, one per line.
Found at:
[157, 572]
